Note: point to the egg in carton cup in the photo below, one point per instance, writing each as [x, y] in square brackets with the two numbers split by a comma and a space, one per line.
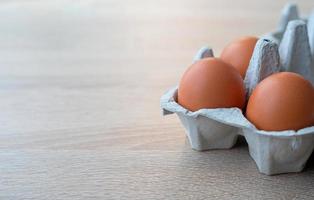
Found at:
[290, 48]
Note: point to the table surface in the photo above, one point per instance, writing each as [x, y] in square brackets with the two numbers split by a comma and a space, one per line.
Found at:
[80, 83]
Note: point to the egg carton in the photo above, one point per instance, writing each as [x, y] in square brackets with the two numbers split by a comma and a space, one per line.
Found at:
[290, 48]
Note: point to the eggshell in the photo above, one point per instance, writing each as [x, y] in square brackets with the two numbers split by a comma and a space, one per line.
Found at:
[282, 101]
[211, 83]
[238, 53]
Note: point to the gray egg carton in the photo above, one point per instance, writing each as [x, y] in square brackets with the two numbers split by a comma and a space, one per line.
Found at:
[290, 48]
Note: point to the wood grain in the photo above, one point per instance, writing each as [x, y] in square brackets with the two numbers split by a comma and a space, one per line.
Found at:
[80, 83]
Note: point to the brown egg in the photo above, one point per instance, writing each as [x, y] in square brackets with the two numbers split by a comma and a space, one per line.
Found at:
[282, 101]
[211, 83]
[238, 53]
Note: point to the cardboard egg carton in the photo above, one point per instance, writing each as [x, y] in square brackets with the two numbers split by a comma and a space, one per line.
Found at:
[289, 48]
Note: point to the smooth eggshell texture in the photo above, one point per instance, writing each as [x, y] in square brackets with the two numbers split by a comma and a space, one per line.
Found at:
[282, 101]
[211, 83]
[239, 52]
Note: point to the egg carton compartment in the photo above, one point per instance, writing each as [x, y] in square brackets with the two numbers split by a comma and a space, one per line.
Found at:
[274, 152]
[290, 48]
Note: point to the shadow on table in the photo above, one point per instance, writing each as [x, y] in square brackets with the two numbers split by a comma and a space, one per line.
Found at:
[310, 163]
[241, 142]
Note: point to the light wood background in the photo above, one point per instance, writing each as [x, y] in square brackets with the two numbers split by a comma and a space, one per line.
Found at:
[80, 83]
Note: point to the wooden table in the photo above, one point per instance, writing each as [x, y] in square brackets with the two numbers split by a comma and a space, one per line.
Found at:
[80, 83]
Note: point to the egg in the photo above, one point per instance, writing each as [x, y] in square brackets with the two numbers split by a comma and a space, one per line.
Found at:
[239, 52]
[211, 83]
[282, 101]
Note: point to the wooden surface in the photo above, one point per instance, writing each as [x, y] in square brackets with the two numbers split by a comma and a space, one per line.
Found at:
[80, 83]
